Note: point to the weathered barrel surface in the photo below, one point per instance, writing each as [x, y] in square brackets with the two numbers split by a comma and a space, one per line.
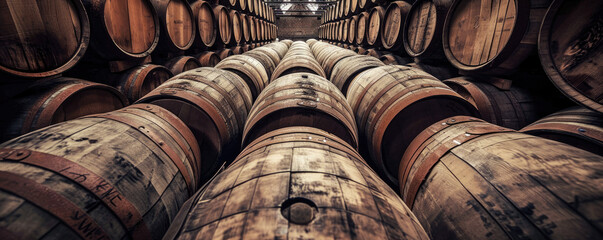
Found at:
[137, 82]
[214, 104]
[249, 69]
[206, 23]
[182, 64]
[56, 100]
[570, 50]
[177, 23]
[235, 21]
[514, 108]
[262, 55]
[468, 179]
[297, 183]
[393, 104]
[118, 175]
[422, 32]
[348, 68]
[33, 42]
[576, 126]
[393, 24]
[208, 58]
[301, 99]
[375, 24]
[490, 38]
[303, 62]
[361, 27]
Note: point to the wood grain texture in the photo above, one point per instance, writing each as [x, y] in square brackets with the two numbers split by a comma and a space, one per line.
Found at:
[471, 179]
[393, 25]
[346, 69]
[42, 38]
[138, 81]
[393, 104]
[235, 21]
[181, 64]
[570, 50]
[576, 126]
[299, 58]
[336, 194]
[422, 33]
[214, 104]
[301, 99]
[249, 69]
[223, 24]
[206, 24]
[375, 24]
[51, 101]
[208, 58]
[361, 28]
[124, 173]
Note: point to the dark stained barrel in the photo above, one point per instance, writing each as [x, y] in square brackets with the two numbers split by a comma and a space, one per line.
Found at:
[468, 179]
[576, 126]
[249, 69]
[392, 59]
[570, 50]
[208, 58]
[206, 33]
[393, 104]
[393, 25]
[112, 22]
[488, 38]
[375, 24]
[214, 104]
[301, 99]
[514, 108]
[348, 68]
[33, 42]
[223, 24]
[224, 53]
[422, 33]
[177, 23]
[138, 81]
[118, 175]
[297, 183]
[182, 64]
[51, 101]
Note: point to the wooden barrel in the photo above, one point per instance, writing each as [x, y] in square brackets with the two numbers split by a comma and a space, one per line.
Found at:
[51, 101]
[242, 5]
[182, 64]
[345, 30]
[206, 23]
[440, 71]
[393, 104]
[256, 7]
[224, 53]
[373, 53]
[354, 7]
[498, 37]
[177, 24]
[119, 175]
[292, 183]
[35, 44]
[263, 56]
[373, 31]
[332, 57]
[258, 29]
[392, 59]
[365, 4]
[249, 69]
[252, 28]
[138, 81]
[230, 4]
[237, 32]
[468, 179]
[393, 24]
[236, 50]
[223, 24]
[208, 58]
[570, 50]
[273, 51]
[111, 24]
[244, 21]
[298, 64]
[214, 104]
[360, 50]
[422, 33]
[301, 99]
[348, 68]
[576, 126]
[361, 27]
[514, 108]
[352, 29]
[250, 7]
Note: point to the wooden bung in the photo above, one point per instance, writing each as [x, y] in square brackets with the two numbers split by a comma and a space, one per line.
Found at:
[468, 179]
[214, 104]
[297, 183]
[118, 175]
[393, 104]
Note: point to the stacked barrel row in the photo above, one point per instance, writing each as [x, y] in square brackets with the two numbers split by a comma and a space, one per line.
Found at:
[462, 177]
[482, 38]
[125, 173]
